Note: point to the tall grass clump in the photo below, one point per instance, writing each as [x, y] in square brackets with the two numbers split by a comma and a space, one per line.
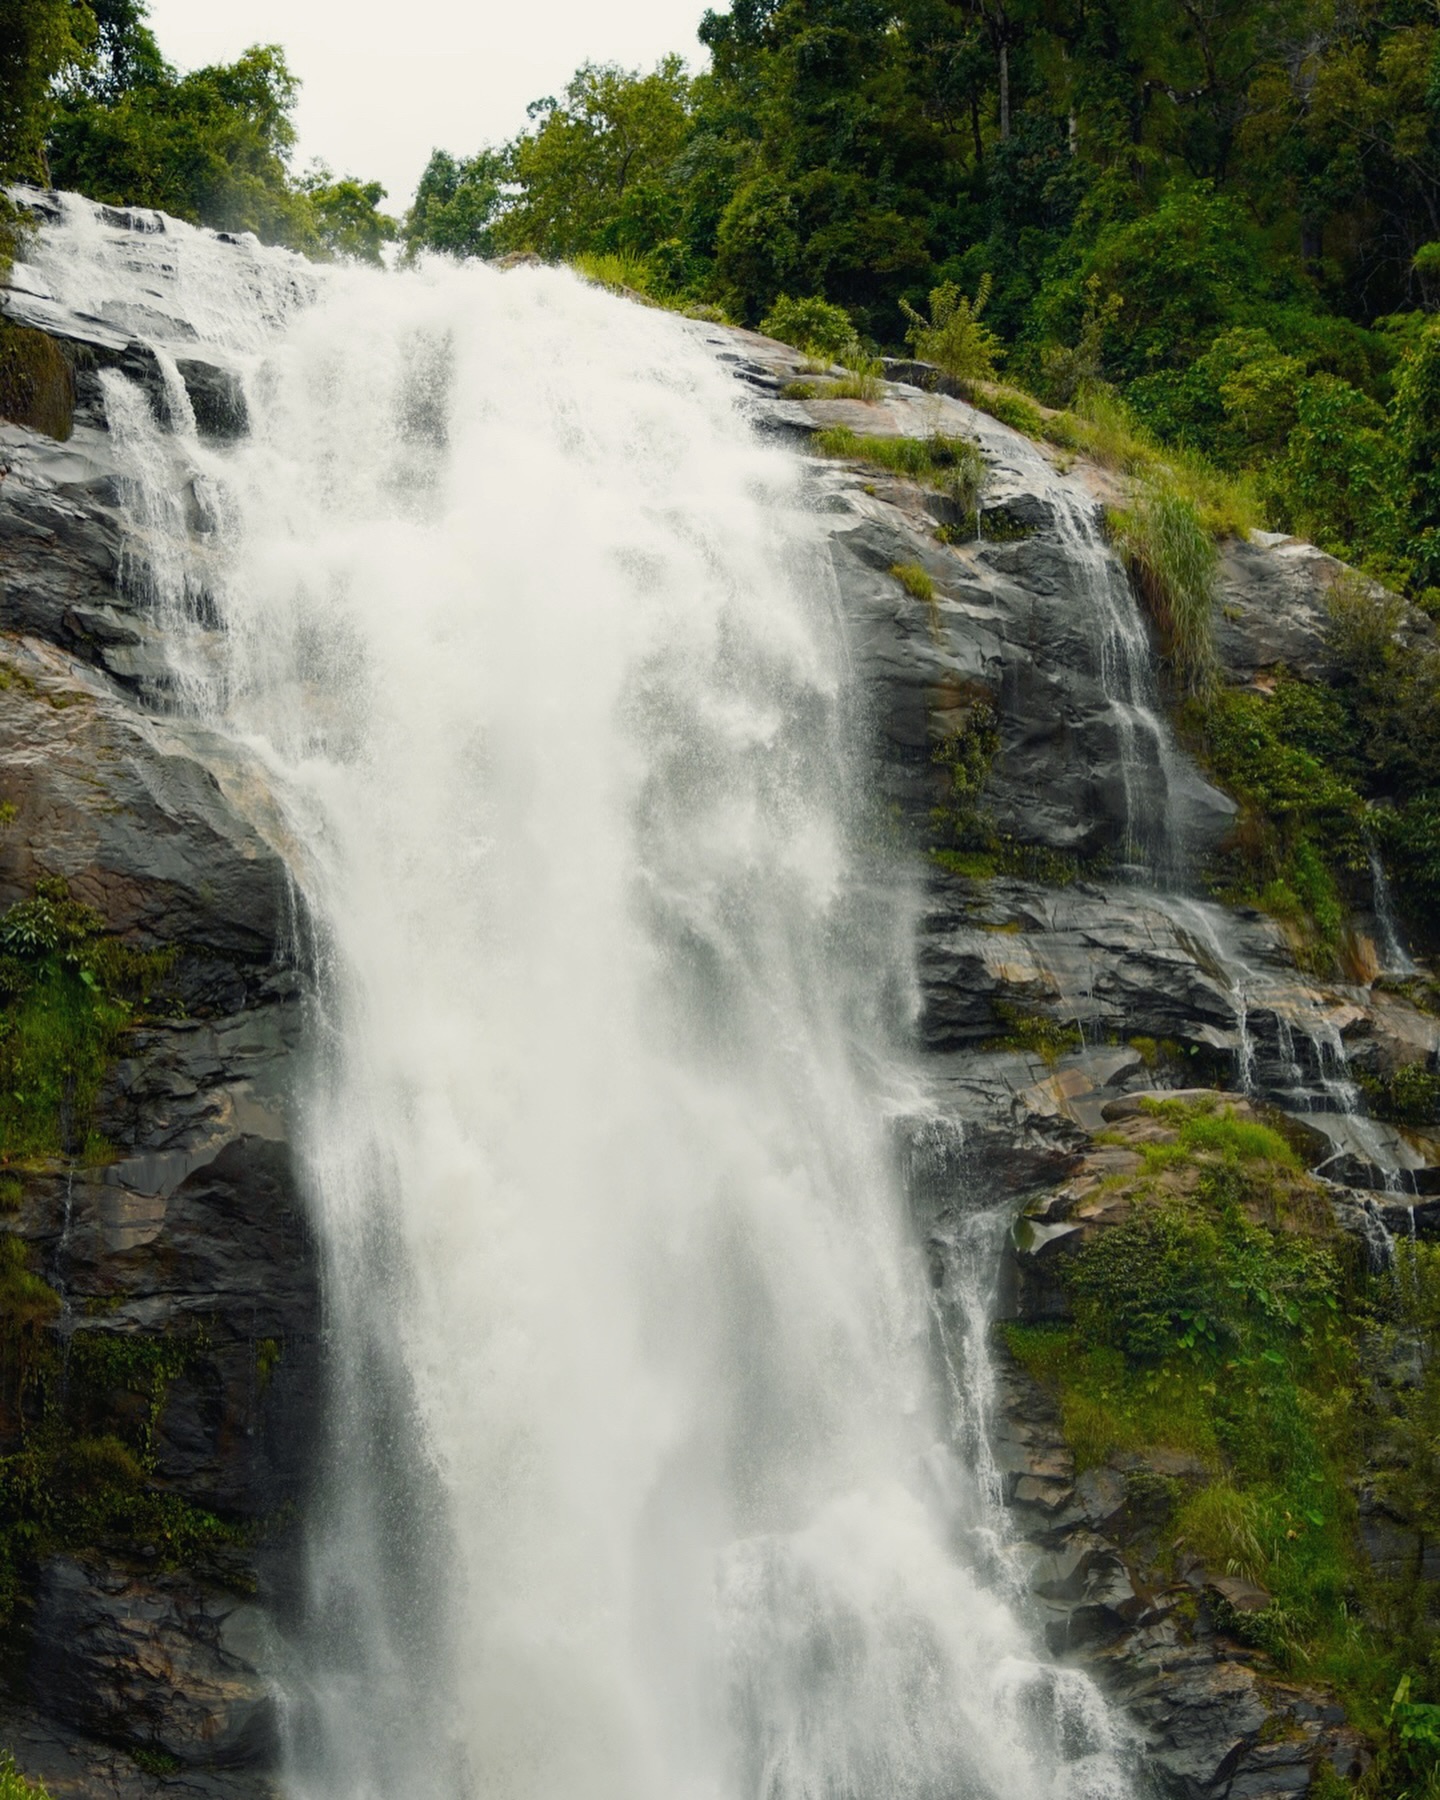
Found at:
[1172, 560]
[863, 381]
[915, 580]
[14, 1786]
[1011, 408]
[617, 270]
[1101, 426]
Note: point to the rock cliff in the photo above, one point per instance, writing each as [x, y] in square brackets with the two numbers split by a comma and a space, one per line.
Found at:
[161, 1363]
[158, 1426]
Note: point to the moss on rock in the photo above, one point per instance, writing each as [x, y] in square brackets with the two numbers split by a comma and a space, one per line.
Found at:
[37, 384]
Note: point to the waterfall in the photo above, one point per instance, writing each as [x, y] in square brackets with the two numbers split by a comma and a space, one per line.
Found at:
[639, 1481]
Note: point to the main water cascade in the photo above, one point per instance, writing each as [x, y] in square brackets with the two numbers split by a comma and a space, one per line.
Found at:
[639, 1481]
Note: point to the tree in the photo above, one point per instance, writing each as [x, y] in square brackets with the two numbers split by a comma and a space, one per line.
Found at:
[211, 146]
[39, 41]
[345, 215]
[594, 172]
[456, 205]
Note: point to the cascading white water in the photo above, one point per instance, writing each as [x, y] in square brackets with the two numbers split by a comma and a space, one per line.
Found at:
[1151, 767]
[638, 1481]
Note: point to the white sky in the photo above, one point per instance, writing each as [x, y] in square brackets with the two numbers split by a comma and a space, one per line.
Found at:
[385, 84]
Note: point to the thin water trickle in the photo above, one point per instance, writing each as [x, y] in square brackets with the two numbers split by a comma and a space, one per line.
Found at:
[634, 1485]
[1395, 959]
[1150, 762]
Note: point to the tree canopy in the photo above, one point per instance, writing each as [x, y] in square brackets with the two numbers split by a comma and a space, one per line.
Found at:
[1226, 212]
[88, 102]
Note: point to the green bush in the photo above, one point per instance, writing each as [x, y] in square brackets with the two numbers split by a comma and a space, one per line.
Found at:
[1341, 481]
[1411, 836]
[814, 326]
[1416, 422]
[1220, 1318]
[1409, 1095]
[953, 337]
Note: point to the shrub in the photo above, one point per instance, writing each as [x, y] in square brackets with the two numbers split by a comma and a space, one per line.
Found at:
[1301, 820]
[1416, 421]
[1342, 479]
[1411, 836]
[953, 338]
[1409, 1095]
[814, 326]
[1172, 559]
[1071, 369]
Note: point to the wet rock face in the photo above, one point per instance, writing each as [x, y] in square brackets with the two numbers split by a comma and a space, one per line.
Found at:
[1048, 1003]
[185, 1265]
[161, 1665]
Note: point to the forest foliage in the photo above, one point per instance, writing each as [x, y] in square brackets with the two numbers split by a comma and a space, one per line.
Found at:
[1226, 213]
[89, 103]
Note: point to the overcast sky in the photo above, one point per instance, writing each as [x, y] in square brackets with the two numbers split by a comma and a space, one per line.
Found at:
[385, 84]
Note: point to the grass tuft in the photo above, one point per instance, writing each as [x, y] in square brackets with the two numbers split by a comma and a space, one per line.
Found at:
[1172, 559]
[14, 1786]
[915, 581]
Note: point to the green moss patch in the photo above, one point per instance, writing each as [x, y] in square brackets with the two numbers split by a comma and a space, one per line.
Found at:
[68, 994]
[37, 384]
